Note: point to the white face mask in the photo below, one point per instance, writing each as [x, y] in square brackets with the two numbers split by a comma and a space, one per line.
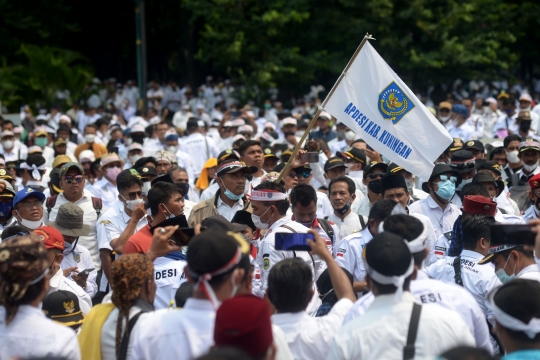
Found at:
[8, 144]
[146, 187]
[530, 168]
[89, 138]
[444, 118]
[350, 135]
[133, 158]
[131, 204]
[258, 223]
[512, 156]
[32, 225]
[172, 149]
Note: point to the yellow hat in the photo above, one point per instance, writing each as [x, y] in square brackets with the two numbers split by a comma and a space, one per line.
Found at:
[60, 160]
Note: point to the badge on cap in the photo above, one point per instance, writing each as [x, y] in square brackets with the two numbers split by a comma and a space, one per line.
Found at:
[535, 183]
[69, 306]
[29, 190]
[470, 143]
[267, 151]
[2, 172]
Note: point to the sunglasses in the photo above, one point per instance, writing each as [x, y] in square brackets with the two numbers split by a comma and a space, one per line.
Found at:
[134, 195]
[303, 173]
[445, 177]
[70, 178]
[373, 176]
[293, 175]
[465, 165]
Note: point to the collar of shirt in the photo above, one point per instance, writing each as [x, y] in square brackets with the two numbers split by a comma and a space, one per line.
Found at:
[198, 304]
[55, 280]
[288, 318]
[315, 224]
[431, 203]
[471, 254]
[221, 202]
[277, 224]
[366, 234]
[388, 301]
[29, 310]
[530, 268]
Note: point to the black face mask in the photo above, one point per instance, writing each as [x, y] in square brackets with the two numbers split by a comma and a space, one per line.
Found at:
[288, 133]
[524, 126]
[375, 186]
[138, 138]
[344, 209]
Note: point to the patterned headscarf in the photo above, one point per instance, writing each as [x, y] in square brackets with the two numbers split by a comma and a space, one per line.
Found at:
[129, 274]
[23, 262]
[456, 243]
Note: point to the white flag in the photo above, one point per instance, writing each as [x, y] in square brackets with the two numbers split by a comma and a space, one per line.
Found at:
[377, 105]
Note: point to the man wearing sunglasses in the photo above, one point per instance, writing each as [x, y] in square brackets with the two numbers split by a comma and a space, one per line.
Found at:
[441, 187]
[464, 162]
[529, 154]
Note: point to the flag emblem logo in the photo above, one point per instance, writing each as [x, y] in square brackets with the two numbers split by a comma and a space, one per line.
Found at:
[394, 104]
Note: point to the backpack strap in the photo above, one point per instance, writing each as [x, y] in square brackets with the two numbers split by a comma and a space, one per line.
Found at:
[49, 204]
[122, 354]
[98, 205]
[409, 350]
[288, 228]
[457, 271]
[362, 222]
[327, 228]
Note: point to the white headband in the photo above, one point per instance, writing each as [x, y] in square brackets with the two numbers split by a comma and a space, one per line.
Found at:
[530, 329]
[267, 195]
[397, 281]
[419, 244]
[35, 173]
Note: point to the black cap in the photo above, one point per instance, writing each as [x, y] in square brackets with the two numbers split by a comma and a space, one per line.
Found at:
[353, 154]
[244, 217]
[221, 222]
[127, 173]
[393, 182]
[63, 127]
[487, 177]
[388, 254]
[440, 169]
[463, 161]
[268, 153]
[457, 144]
[192, 123]
[63, 307]
[393, 168]
[490, 165]
[475, 145]
[232, 166]
[147, 170]
[163, 178]
[228, 155]
[374, 165]
[332, 163]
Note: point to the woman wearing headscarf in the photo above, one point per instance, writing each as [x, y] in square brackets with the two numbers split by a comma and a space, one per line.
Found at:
[208, 173]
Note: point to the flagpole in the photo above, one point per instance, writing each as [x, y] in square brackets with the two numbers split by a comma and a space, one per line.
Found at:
[321, 108]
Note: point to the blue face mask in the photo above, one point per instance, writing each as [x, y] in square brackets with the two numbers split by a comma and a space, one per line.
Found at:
[231, 195]
[41, 141]
[503, 276]
[446, 189]
[5, 210]
[171, 215]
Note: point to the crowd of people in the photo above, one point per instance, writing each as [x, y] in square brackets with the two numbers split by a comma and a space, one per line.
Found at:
[130, 234]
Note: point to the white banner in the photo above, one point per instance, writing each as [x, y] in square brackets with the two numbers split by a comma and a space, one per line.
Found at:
[377, 105]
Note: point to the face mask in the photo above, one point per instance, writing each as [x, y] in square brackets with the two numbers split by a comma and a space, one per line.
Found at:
[138, 138]
[172, 149]
[446, 189]
[512, 156]
[257, 221]
[112, 173]
[487, 110]
[530, 168]
[503, 276]
[133, 159]
[308, 224]
[344, 209]
[357, 174]
[89, 138]
[524, 126]
[444, 118]
[267, 106]
[8, 144]
[464, 182]
[41, 141]
[128, 141]
[299, 133]
[146, 187]
[340, 134]
[33, 225]
[375, 186]
[410, 186]
[171, 215]
[231, 195]
[5, 210]
[130, 204]
[288, 133]
[350, 135]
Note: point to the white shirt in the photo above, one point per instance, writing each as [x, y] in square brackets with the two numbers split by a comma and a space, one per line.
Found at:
[107, 192]
[226, 211]
[478, 279]
[200, 148]
[433, 292]
[442, 222]
[82, 259]
[210, 191]
[531, 272]
[280, 341]
[324, 208]
[60, 282]
[175, 334]
[169, 275]
[382, 332]
[19, 152]
[349, 253]
[465, 132]
[31, 335]
[181, 118]
[349, 225]
[90, 218]
[309, 337]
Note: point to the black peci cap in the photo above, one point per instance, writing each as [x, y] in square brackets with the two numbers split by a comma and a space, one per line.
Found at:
[388, 254]
[392, 182]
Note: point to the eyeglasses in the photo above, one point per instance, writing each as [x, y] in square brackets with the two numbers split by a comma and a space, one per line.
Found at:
[70, 178]
[133, 195]
[376, 175]
[293, 175]
[465, 165]
[31, 205]
[303, 173]
[445, 177]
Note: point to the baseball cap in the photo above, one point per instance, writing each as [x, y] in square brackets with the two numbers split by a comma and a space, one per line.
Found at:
[354, 154]
[529, 144]
[51, 237]
[494, 250]
[228, 154]
[55, 180]
[324, 115]
[445, 105]
[220, 221]
[6, 133]
[26, 192]
[268, 153]
[135, 146]
[374, 165]
[332, 163]
[87, 155]
[60, 160]
[393, 168]
[463, 161]
[35, 150]
[460, 110]
[490, 165]
[60, 141]
[457, 144]
[475, 145]
[147, 170]
[232, 166]
[65, 168]
[288, 121]
[63, 307]
[69, 221]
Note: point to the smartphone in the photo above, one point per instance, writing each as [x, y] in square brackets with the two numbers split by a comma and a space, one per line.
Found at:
[485, 103]
[310, 157]
[511, 235]
[288, 241]
[369, 147]
[88, 271]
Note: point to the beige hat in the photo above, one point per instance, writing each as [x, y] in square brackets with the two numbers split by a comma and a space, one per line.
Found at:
[110, 158]
[70, 216]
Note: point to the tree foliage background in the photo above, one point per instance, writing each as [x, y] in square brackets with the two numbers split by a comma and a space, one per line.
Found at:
[47, 46]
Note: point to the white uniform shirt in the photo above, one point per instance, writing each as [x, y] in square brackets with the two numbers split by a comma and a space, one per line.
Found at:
[309, 337]
[433, 292]
[443, 221]
[226, 211]
[465, 132]
[431, 237]
[200, 148]
[31, 335]
[324, 208]
[349, 225]
[60, 282]
[19, 152]
[209, 192]
[531, 272]
[169, 275]
[90, 242]
[349, 253]
[478, 279]
[529, 214]
[107, 192]
[175, 334]
[82, 259]
[184, 161]
[382, 332]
